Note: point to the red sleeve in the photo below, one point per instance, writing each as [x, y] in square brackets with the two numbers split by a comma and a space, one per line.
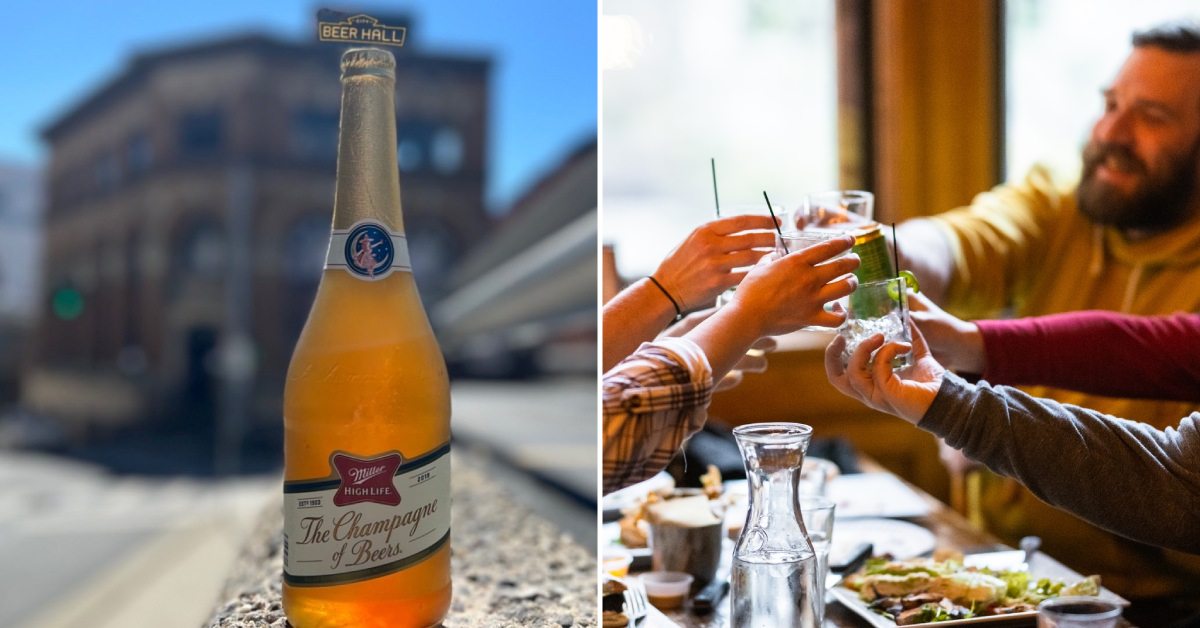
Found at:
[1098, 352]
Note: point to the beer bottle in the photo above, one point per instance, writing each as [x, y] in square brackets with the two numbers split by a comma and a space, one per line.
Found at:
[367, 404]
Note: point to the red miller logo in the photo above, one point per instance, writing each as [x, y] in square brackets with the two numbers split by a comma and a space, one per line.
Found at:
[367, 480]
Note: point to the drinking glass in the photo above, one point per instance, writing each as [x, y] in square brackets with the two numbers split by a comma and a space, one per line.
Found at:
[840, 210]
[792, 241]
[877, 307]
[740, 209]
[818, 521]
[1078, 612]
[815, 476]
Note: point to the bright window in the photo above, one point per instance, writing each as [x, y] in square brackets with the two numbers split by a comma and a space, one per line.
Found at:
[749, 83]
[1059, 55]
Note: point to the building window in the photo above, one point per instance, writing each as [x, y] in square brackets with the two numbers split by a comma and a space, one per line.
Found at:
[433, 248]
[315, 134]
[200, 251]
[139, 153]
[200, 133]
[409, 155]
[305, 246]
[414, 152]
[107, 172]
[447, 150]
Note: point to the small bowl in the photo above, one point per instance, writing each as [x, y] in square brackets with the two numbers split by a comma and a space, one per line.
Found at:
[667, 590]
[616, 562]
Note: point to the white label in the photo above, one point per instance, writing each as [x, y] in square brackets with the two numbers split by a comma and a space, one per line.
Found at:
[369, 518]
[368, 251]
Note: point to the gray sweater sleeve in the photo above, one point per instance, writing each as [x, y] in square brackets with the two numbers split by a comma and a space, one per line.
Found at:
[1123, 476]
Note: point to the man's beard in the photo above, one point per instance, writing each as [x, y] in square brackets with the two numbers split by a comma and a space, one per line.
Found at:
[1159, 202]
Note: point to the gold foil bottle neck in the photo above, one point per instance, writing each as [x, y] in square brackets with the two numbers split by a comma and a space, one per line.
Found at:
[368, 182]
[368, 61]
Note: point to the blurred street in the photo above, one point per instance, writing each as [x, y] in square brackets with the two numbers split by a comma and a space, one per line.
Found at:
[81, 546]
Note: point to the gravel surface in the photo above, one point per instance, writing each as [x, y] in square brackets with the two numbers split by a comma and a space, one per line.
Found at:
[510, 567]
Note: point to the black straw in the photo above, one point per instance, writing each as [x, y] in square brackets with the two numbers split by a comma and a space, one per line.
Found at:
[895, 250]
[773, 217]
[716, 199]
[903, 282]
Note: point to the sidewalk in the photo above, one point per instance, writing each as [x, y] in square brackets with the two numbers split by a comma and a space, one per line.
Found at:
[82, 547]
[79, 547]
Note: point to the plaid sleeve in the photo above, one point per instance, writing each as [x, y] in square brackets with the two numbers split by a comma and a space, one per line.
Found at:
[653, 401]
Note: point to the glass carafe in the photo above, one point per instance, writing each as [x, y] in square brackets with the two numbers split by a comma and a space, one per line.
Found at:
[775, 571]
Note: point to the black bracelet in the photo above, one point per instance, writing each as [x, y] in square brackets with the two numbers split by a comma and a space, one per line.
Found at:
[678, 312]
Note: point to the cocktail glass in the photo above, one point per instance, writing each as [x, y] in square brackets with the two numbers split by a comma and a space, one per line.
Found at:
[839, 210]
[874, 308]
[818, 521]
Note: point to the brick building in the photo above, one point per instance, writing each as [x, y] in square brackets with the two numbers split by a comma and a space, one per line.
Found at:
[188, 202]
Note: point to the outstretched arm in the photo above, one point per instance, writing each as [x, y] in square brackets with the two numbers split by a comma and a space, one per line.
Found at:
[1124, 476]
[1097, 352]
[691, 276]
[657, 397]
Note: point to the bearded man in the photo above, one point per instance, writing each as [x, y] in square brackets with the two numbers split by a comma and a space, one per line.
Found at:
[1125, 238]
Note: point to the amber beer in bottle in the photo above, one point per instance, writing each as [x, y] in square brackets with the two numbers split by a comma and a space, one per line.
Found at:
[367, 403]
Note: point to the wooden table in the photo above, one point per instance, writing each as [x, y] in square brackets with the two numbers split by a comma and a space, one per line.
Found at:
[950, 529]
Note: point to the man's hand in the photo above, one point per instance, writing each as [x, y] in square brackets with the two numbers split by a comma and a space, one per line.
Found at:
[956, 343]
[906, 393]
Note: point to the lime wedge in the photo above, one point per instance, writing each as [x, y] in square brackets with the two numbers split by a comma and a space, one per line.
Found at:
[910, 282]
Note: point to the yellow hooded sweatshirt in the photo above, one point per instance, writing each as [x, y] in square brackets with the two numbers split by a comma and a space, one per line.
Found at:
[1024, 250]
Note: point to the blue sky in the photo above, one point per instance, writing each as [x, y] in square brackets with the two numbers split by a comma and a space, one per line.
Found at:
[543, 82]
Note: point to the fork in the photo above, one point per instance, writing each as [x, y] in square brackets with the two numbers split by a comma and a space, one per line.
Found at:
[635, 605]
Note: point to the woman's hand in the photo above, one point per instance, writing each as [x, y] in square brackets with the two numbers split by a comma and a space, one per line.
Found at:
[906, 393]
[701, 267]
[788, 293]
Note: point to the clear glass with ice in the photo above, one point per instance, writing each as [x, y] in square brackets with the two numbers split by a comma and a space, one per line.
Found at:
[879, 307]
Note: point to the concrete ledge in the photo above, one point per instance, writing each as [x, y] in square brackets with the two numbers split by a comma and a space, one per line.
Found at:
[510, 567]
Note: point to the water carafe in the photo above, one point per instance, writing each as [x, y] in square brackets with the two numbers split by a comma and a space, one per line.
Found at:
[774, 581]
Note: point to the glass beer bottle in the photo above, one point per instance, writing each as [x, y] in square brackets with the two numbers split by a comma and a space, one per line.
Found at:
[367, 401]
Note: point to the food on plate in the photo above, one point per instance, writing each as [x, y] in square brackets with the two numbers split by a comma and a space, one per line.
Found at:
[635, 524]
[635, 530]
[684, 512]
[711, 482]
[612, 597]
[613, 619]
[923, 590]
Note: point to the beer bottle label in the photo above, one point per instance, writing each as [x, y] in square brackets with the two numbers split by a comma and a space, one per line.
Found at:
[368, 251]
[370, 517]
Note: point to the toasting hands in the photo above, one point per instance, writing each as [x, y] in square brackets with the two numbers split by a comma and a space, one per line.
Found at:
[906, 393]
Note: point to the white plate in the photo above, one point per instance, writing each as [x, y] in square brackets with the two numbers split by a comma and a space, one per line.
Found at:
[1041, 566]
[901, 539]
[875, 495]
[633, 494]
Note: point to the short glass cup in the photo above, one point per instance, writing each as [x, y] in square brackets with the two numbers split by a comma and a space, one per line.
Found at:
[836, 209]
[791, 241]
[1078, 612]
[877, 307]
[818, 515]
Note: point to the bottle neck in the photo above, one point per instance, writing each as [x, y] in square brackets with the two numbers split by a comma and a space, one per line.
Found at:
[368, 182]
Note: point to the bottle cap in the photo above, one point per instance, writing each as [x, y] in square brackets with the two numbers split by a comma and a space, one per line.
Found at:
[374, 61]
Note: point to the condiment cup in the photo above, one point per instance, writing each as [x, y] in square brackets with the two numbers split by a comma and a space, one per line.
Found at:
[666, 589]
